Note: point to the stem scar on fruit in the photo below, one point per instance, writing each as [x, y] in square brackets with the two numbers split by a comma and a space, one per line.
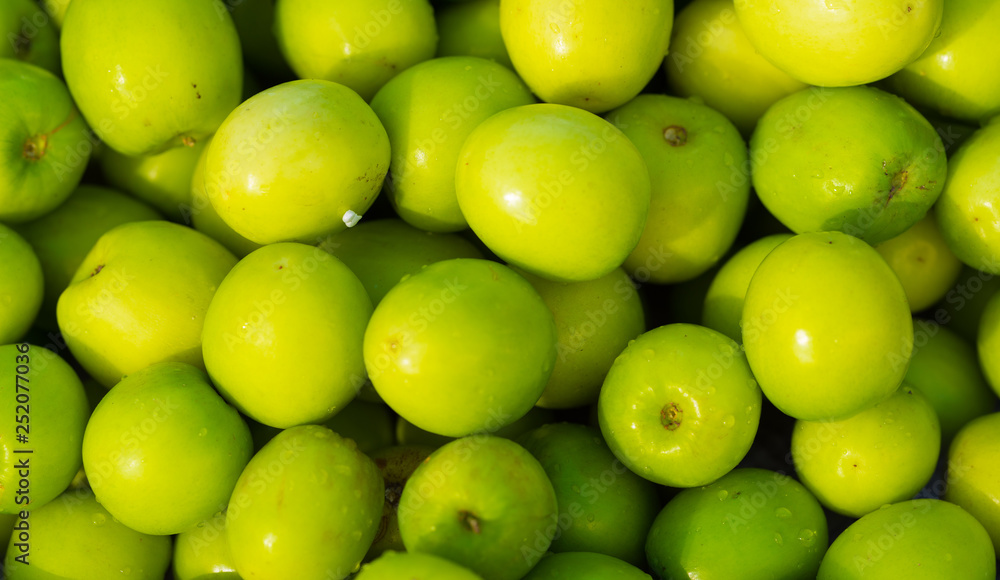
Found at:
[671, 416]
[36, 145]
[676, 136]
[470, 521]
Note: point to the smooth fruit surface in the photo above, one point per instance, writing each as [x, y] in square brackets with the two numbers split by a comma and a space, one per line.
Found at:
[973, 481]
[202, 216]
[162, 180]
[21, 285]
[472, 28]
[29, 35]
[203, 551]
[922, 261]
[584, 566]
[414, 566]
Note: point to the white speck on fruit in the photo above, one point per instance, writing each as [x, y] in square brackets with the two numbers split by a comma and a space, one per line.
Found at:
[723, 494]
[351, 218]
[98, 519]
[782, 513]
[807, 537]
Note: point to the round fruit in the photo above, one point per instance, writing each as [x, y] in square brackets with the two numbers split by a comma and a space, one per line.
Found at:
[472, 28]
[414, 566]
[162, 180]
[922, 261]
[584, 566]
[203, 552]
[201, 215]
[973, 478]
[29, 34]
[21, 285]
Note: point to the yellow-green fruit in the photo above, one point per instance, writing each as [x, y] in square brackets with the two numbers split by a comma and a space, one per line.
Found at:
[203, 553]
[973, 481]
[29, 34]
[201, 215]
[922, 261]
[472, 29]
[162, 180]
[21, 285]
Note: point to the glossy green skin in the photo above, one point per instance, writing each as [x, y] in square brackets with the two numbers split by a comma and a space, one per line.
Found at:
[323, 529]
[455, 320]
[752, 524]
[29, 35]
[201, 215]
[800, 331]
[283, 304]
[146, 89]
[396, 464]
[140, 297]
[428, 111]
[724, 299]
[158, 426]
[882, 455]
[726, 72]
[958, 75]
[584, 566]
[477, 501]
[53, 422]
[290, 161]
[920, 539]
[414, 566]
[806, 39]
[593, 55]
[409, 434]
[595, 320]
[973, 481]
[922, 261]
[472, 29]
[360, 43]
[162, 180]
[695, 209]
[856, 160]
[383, 252]
[988, 342]
[944, 367]
[554, 190]
[671, 365]
[966, 212]
[21, 285]
[203, 552]
[38, 119]
[62, 237]
[75, 538]
[604, 507]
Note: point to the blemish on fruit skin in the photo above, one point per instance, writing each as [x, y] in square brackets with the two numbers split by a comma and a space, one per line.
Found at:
[97, 270]
[671, 416]
[675, 136]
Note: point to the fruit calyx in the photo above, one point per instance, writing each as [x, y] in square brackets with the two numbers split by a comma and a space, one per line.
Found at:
[35, 147]
[671, 416]
[469, 521]
[675, 136]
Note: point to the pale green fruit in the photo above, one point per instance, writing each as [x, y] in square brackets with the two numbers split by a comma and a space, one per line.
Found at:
[922, 261]
[201, 215]
[21, 285]
[973, 481]
[414, 566]
[202, 552]
[472, 28]
[162, 180]
[29, 35]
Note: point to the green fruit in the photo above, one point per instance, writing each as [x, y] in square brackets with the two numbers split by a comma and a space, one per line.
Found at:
[332, 139]
[454, 320]
[472, 28]
[963, 306]
[409, 434]
[323, 528]
[396, 464]
[680, 406]
[593, 55]
[371, 426]
[21, 285]
[48, 143]
[63, 237]
[603, 507]
[414, 566]
[360, 43]
[554, 190]
[163, 425]
[988, 342]
[807, 39]
[151, 76]
[75, 538]
[383, 252]
[692, 153]
[584, 566]
[856, 160]
[724, 299]
[44, 415]
[477, 501]
[162, 180]
[428, 111]
[750, 524]
[254, 20]
[973, 481]
[595, 320]
[139, 297]
[801, 334]
[283, 304]
[912, 540]
[925, 266]
[202, 552]
[56, 10]
[202, 216]
[29, 34]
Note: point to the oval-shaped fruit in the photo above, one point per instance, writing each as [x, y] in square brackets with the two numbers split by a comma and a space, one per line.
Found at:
[922, 261]
[383, 252]
[75, 538]
[882, 455]
[151, 76]
[201, 215]
[139, 297]
[555, 190]
[973, 479]
[324, 527]
[203, 552]
[679, 406]
[724, 299]
[157, 427]
[428, 111]
[48, 143]
[751, 523]
[360, 43]
[711, 58]
[595, 55]
[694, 156]
[21, 285]
[584, 566]
[296, 162]
[478, 501]
[807, 39]
[920, 539]
[281, 305]
[45, 412]
[472, 28]
[453, 321]
[29, 34]
[856, 160]
[958, 75]
[162, 180]
[966, 212]
[603, 507]
[801, 334]
[414, 566]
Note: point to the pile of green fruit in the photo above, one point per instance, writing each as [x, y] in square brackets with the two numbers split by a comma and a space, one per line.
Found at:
[500, 289]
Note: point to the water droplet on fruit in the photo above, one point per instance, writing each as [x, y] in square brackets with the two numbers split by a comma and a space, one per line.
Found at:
[782, 513]
[807, 537]
[778, 539]
[728, 421]
[98, 519]
[554, 27]
[722, 495]
[202, 432]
